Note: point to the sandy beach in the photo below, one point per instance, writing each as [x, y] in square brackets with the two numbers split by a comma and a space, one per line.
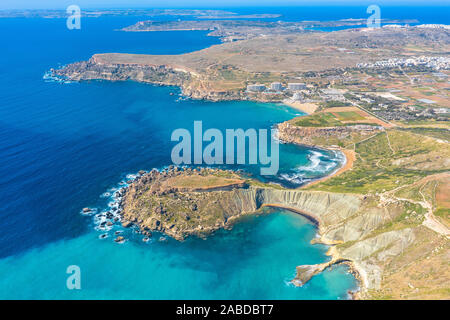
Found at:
[308, 108]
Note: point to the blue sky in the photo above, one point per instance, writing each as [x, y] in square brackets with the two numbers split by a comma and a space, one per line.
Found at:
[61, 4]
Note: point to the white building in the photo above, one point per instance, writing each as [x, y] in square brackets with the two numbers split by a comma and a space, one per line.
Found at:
[296, 86]
[297, 96]
[276, 86]
[256, 87]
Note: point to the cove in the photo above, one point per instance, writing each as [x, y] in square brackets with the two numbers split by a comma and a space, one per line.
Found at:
[254, 260]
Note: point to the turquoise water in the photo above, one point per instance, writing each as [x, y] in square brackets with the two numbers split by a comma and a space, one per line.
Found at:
[255, 260]
[63, 145]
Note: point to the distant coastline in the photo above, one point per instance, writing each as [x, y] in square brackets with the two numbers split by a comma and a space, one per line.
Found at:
[355, 212]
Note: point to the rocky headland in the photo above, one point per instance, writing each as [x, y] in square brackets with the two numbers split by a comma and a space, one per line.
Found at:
[101, 67]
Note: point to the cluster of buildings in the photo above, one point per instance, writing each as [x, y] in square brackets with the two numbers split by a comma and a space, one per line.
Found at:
[436, 63]
[276, 87]
[433, 112]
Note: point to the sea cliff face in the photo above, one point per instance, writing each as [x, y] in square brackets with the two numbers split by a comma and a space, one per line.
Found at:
[349, 222]
[97, 69]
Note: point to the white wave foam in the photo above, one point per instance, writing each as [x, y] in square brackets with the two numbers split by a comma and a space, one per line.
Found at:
[275, 135]
[106, 195]
[296, 178]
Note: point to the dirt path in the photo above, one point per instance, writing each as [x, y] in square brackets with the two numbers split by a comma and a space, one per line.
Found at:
[389, 143]
[430, 220]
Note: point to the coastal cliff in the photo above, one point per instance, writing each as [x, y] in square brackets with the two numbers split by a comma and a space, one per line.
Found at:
[191, 83]
[378, 215]
[98, 69]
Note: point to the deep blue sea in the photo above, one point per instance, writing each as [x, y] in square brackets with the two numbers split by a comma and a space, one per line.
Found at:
[64, 145]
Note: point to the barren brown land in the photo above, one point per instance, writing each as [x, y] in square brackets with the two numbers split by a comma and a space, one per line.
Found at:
[386, 212]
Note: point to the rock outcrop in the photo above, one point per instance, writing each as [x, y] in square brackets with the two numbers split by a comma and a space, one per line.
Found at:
[191, 84]
[98, 69]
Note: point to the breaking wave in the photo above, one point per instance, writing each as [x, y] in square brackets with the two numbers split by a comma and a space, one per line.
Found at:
[319, 165]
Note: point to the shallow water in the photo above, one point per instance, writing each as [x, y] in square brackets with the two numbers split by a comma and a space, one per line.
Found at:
[254, 260]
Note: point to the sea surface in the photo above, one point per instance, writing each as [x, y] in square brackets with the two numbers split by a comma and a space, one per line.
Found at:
[62, 146]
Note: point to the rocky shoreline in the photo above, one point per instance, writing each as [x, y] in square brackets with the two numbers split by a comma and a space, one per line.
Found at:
[159, 74]
[368, 229]
[173, 202]
[182, 202]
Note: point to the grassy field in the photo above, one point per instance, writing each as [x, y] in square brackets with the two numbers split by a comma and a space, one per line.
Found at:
[425, 124]
[328, 119]
[420, 272]
[442, 201]
[337, 117]
[201, 182]
[348, 116]
[323, 119]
